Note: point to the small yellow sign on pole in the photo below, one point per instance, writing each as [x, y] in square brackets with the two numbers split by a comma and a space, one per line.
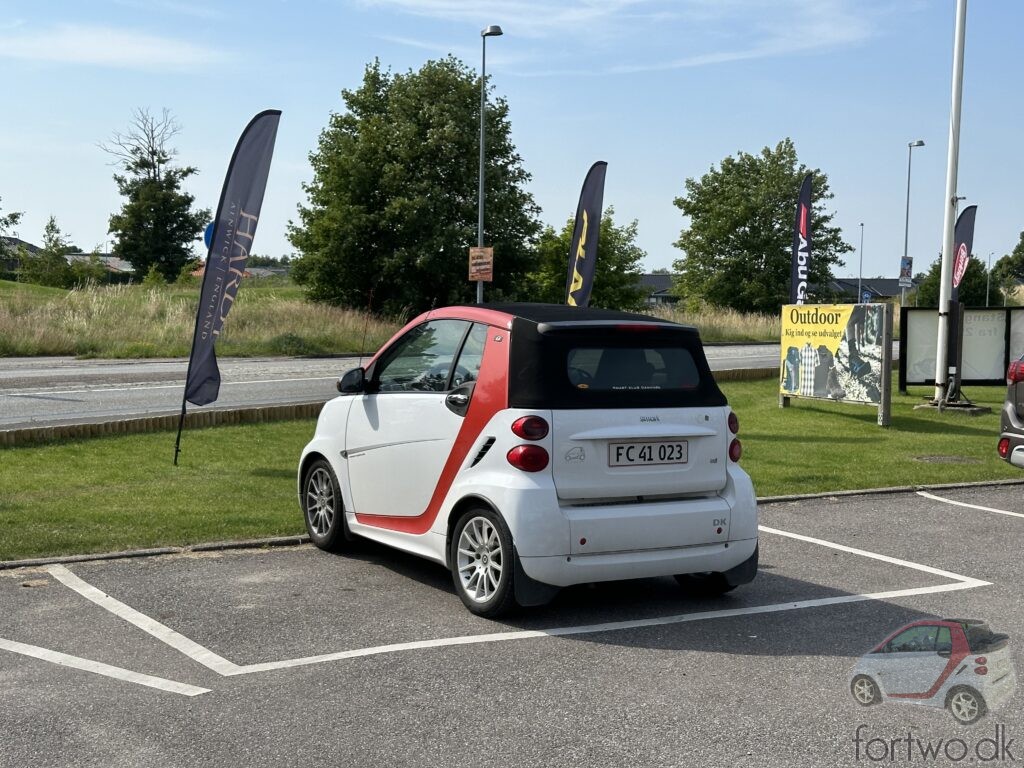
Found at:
[481, 264]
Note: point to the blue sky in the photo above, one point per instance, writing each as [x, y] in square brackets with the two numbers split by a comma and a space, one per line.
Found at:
[661, 89]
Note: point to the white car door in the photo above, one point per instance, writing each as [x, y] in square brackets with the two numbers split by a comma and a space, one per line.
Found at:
[912, 665]
[400, 434]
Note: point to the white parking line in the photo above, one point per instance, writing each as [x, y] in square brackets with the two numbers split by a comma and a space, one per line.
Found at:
[229, 669]
[153, 627]
[99, 668]
[933, 497]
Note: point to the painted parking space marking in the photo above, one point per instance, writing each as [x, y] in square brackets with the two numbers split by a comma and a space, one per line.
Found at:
[227, 668]
[99, 668]
[151, 626]
[933, 497]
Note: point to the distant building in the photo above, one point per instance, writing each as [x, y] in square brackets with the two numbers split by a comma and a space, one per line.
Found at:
[877, 288]
[657, 289]
[113, 264]
[9, 260]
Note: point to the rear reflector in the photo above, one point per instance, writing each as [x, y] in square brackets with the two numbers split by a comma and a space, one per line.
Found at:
[735, 450]
[530, 428]
[1004, 447]
[528, 458]
[1015, 373]
[981, 670]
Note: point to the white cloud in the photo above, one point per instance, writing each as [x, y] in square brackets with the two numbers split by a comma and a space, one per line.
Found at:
[105, 46]
[708, 31]
[529, 18]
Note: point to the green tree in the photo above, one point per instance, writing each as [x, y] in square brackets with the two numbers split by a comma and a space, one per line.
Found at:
[89, 270]
[7, 221]
[1008, 272]
[49, 265]
[972, 287]
[616, 269]
[392, 208]
[157, 225]
[738, 248]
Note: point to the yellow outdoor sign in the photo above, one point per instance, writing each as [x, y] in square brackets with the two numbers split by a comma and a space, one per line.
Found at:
[833, 351]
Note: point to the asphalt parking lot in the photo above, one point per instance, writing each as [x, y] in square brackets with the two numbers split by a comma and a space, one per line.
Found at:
[295, 657]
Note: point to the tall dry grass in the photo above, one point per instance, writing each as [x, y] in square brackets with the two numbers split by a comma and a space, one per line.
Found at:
[141, 321]
[718, 324]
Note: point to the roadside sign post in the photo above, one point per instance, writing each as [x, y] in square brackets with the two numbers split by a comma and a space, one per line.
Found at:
[481, 269]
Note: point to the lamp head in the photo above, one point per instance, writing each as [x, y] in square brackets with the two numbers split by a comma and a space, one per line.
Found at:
[492, 31]
[916, 143]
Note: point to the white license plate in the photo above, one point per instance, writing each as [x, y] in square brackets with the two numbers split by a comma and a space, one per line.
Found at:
[647, 453]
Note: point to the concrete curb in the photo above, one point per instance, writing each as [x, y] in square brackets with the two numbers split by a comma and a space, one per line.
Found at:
[257, 415]
[214, 546]
[291, 541]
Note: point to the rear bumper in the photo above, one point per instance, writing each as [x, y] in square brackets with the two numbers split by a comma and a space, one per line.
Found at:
[1000, 691]
[564, 570]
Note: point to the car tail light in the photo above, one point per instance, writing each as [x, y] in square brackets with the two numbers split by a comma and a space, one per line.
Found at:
[983, 660]
[981, 670]
[1004, 447]
[530, 428]
[528, 458]
[735, 450]
[734, 423]
[1015, 372]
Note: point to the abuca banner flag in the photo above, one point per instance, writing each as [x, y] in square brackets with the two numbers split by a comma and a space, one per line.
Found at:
[801, 245]
[583, 248]
[833, 351]
[234, 228]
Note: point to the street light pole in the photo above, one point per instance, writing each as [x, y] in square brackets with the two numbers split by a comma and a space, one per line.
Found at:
[491, 31]
[950, 207]
[906, 225]
[860, 269]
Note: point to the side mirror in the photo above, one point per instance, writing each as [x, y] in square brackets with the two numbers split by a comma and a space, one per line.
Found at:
[353, 382]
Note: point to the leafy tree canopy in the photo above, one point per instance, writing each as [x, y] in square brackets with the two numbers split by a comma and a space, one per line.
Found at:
[157, 225]
[617, 267]
[392, 208]
[738, 248]
[972, 287]
[1008, 272]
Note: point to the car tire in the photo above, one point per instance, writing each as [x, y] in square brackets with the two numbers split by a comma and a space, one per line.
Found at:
[865, 691]
[323, 508]
[709, 584]
[966, 705]
[482, 562]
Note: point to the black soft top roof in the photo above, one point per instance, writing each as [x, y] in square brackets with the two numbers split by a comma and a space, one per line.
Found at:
[560, 313]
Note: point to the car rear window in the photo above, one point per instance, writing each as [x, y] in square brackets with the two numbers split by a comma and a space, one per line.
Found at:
[609, 366]
[631, 369]
[979, 636]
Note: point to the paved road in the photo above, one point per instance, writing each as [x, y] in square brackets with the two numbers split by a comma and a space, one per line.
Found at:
[630, 674]
[47, 391]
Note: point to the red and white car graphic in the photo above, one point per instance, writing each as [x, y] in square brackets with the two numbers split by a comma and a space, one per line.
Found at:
[528, 447]
[959, 664]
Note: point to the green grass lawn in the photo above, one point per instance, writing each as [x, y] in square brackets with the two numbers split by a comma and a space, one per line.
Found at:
[238, 482]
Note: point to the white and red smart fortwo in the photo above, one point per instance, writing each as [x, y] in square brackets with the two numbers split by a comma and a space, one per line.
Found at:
[528, 447]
